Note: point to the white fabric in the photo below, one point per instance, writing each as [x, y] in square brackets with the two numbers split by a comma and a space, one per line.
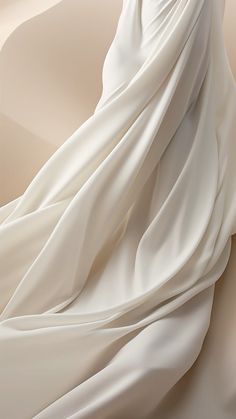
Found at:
[109, 260]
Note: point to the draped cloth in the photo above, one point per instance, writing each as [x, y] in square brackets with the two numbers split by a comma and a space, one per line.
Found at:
[109, 259]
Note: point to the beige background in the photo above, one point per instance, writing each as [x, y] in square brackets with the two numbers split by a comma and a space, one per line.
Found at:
[47, 90]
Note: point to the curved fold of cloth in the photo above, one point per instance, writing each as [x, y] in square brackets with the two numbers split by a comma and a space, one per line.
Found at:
[109, 258]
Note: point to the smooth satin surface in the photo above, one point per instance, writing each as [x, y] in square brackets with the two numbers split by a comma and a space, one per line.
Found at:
[109, 259]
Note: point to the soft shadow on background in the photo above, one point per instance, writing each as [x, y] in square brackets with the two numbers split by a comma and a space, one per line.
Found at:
[47, 90]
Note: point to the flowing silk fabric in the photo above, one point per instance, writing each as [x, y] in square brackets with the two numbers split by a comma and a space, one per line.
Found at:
[109, 259]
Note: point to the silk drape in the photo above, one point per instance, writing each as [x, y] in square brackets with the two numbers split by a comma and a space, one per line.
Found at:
[109, 259]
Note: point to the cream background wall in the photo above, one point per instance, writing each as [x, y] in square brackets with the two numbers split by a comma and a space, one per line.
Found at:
[50, 79]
